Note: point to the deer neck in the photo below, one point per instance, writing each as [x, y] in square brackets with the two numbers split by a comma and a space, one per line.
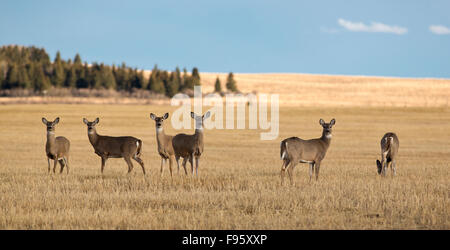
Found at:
[51, 137]
[160, 135]
[326, 137]
[198, 134]
[93, 136]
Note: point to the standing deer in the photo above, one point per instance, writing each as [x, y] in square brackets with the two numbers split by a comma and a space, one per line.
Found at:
[126, 147]
[165, 147]
[190, 146]
[295, 150]
[389, 148]
[57, 148]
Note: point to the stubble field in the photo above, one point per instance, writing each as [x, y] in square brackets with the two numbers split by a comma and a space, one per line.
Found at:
[239, 176]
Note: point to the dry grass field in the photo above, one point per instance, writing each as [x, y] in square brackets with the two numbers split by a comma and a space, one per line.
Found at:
[239, 183]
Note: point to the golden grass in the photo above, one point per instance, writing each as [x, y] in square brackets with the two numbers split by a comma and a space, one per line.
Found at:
[340, 91]
[239, 182]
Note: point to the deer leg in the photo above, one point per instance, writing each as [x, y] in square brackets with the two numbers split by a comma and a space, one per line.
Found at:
[103, 163]
[162, 166]
[140, 161]
[196, 166]
[62, 164]
[54, 165]
[66, 161]
[311, 169]
[191, 161]
[283, 170]
[317, 168]
[48, 161]
[184, 165]
[290, 172]
[170, 166]
[177, 159]
[130, 164]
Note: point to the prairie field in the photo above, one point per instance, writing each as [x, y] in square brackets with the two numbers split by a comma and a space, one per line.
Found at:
[239, 176]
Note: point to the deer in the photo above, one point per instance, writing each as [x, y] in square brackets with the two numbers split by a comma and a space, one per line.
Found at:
[165, 147]
[126, 147]
[190, 147]
[389, 148]
[294, 150]
[56, 148]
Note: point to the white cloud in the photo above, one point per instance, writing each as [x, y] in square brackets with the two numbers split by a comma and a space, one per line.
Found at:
[439, 29]
[374, 27]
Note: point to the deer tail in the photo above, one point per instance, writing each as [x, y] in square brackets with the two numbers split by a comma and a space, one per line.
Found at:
[283, 150]
[139, 148]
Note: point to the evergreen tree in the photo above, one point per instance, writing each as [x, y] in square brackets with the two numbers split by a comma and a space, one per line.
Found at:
[41, 81]
[71, 78]
[217, 86]
[155, 83]
[58, 76]
[231, 83]
[195, 76]
[173, 85]
[24, 79]
[12, 79]
[77, 60]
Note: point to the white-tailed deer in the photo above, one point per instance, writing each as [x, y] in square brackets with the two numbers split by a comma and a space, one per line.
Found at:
[190, 146]
[165, 148]
[389, 148]
[125, 147]
[56, 148]
[295, 150]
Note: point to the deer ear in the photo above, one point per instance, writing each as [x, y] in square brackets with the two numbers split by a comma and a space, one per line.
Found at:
[207, 115]
[152, 116]
[321, 122]
[333, 121]
[97, 121]
[56, 121]
[166, 115]
[44, 120]
[85, 121]
[193, 115]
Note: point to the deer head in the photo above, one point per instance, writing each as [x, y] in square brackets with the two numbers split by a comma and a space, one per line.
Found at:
[50, 125]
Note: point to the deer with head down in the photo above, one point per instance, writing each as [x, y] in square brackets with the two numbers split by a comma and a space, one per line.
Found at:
[389, 148]
[126, 147]
[190, 147]
[56, 148]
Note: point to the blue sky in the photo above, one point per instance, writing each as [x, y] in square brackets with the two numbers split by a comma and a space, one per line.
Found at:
[381, 38]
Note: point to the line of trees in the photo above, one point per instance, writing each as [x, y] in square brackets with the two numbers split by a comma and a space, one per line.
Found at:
[31, 68]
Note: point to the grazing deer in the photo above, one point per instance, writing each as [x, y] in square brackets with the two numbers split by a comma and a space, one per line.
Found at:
[57, 148]
[295, 150]
[126, 147]
[389, 148]
[165, 148]
[190, 146]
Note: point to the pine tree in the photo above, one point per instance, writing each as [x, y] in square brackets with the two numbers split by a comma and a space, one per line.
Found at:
[24, 79]
[71, 78]
[217, 86]
[41, 81]
[58, 75]
[231, 83]
[12, 79]
[173, 85]
[195, 76]
[155, 83]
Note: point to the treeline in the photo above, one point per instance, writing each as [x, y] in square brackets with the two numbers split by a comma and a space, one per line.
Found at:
[31, 68]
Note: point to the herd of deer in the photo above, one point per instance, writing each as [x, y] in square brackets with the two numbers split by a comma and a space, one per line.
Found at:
[293, 150]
